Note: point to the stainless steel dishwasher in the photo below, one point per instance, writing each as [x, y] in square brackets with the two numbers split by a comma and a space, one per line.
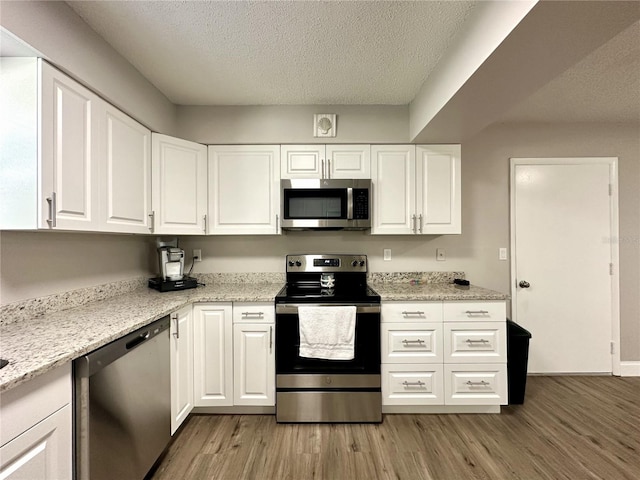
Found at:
[123, 405]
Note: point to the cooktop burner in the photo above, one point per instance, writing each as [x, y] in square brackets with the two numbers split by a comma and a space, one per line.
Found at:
[328, 279]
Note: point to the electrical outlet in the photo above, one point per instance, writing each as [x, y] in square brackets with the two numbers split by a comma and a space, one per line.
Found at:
[502, 253]
[197, 255]
[386, 254]
[441, 255]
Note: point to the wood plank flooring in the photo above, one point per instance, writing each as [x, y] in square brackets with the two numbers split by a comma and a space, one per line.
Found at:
[568, 428]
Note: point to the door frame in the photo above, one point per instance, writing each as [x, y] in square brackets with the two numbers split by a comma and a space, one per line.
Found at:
[612, 162]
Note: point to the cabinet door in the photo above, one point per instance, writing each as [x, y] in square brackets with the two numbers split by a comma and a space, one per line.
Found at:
[348, 161]
[438, 199]
[394, 193]
[213, 355]
[302, 161]
[181, 331]
[244, 189]
[179, 193]
[254, 364]
[41, 453]
[125, 180]
[71, 143]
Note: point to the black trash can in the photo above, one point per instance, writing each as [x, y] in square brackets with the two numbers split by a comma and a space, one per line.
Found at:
[517, 357]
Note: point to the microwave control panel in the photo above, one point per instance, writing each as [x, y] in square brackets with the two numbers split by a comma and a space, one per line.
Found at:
[360, 203]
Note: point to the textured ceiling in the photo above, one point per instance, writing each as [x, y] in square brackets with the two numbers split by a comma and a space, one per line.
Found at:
[603, 87]
[281, 52]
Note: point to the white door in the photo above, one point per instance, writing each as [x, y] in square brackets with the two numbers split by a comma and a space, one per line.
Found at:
[244, 189]
[181, 334]
[213, 355]
[253, 364]
[563, 218]
[69, 157]
[179, 193]
[126, 178]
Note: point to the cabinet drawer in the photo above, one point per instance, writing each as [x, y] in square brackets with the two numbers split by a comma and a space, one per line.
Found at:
[466, 384]
[467, 342]
[495, 311]
[263, 312]
[411, 342]
[409, 384]
[412, 312]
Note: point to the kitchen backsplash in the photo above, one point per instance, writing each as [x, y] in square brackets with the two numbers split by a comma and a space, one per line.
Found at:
[37, 307]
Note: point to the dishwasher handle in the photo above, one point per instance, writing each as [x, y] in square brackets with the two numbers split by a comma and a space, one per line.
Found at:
[143, 337]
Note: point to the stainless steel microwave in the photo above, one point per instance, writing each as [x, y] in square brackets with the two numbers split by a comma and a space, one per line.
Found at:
[325, 204]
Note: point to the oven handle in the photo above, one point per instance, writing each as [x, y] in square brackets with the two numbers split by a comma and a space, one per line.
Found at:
[293, 308]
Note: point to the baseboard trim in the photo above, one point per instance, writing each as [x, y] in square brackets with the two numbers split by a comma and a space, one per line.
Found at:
[630, 369]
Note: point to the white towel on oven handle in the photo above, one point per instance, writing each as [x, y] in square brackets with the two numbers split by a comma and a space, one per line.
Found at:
[327, 332]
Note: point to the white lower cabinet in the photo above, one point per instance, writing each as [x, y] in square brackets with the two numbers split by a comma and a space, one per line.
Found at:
[444, 354]
[234, 359]
[254, 367]
[181, 353]
[36, 433]
[213, 359]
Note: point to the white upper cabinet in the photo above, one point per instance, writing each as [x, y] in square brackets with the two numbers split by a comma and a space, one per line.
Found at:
[70, 161]
[50, 144]
[179, 186]
[416, 190]
[394, 189]
[438, 196]
[244, 189]
[325, 161]
[125, 180]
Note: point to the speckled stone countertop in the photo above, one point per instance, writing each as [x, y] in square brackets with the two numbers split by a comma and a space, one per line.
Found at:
[40, 344]
[433, 292]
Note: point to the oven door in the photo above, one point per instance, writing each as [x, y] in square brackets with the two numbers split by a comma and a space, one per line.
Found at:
[366, 352]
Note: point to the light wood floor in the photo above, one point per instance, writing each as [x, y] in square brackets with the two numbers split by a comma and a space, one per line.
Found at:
[568, 428]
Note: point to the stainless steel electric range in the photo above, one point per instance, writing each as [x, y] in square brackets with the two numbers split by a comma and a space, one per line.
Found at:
[312, 389]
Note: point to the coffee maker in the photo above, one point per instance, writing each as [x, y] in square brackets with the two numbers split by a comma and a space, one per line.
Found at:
[171, 268]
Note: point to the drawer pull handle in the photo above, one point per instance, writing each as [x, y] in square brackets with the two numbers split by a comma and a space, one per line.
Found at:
[413, 384]
[481, 383]
[252, 314]
[406, 314]
[476, 312]
[471, 342]
[418, 341]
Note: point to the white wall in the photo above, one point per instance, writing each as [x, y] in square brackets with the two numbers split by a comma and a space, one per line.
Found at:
[292, 124]
[62, 37]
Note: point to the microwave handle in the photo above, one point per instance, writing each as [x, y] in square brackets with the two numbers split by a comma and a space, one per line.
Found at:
[349, 203]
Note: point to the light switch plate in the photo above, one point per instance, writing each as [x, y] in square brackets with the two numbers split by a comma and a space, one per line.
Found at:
[386, 254]
[502, 253]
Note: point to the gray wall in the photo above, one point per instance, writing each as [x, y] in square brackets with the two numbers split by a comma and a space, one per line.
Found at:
[292, 124]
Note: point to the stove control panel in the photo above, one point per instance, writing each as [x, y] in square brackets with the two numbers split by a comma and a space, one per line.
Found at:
[326, 263]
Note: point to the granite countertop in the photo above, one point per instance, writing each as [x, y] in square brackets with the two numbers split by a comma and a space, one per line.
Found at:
[38, 345]
[433, 292]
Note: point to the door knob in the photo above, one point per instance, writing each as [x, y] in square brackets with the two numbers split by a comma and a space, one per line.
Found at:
[524, 284]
